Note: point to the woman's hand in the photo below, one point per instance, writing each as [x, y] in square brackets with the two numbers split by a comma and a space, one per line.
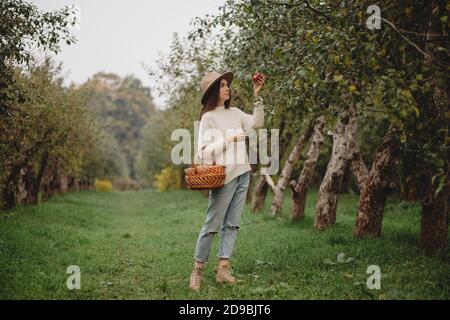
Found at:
[258, 84]
[237, 137]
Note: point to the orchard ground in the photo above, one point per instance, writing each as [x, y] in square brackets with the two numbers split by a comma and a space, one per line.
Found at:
[139, 245]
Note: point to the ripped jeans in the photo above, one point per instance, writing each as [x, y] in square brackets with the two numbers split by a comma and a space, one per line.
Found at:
[224, 215]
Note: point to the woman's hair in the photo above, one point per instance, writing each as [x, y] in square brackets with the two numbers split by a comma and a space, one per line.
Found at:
[211, 100]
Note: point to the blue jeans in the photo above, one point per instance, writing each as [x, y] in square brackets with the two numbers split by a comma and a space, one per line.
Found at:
[224, 215]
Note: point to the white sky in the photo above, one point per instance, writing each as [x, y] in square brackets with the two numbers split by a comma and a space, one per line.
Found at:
[117, 35]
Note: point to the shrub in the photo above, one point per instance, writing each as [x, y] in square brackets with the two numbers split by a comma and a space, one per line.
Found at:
[168, 178]
[103, 185]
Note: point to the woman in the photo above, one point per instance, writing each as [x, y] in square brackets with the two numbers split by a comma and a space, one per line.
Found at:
[226, 203]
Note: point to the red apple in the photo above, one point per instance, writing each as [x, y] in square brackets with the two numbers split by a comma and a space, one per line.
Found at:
[256, 77]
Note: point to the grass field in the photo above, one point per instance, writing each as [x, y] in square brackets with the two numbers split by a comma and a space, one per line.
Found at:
[139, 245]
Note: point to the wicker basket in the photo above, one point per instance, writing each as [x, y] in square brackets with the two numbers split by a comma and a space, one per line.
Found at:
[205, 177]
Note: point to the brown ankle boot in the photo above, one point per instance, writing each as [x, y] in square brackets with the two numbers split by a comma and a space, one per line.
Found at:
[223, 275]
[196, 278]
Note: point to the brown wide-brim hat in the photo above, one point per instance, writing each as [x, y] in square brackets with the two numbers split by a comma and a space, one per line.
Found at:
[210, 79]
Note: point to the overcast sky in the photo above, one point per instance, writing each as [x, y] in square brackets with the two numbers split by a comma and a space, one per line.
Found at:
[117, 35]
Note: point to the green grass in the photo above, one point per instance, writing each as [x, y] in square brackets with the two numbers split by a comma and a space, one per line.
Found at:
[139, 245]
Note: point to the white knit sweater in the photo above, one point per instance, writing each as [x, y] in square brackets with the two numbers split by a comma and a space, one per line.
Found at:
[219, 123]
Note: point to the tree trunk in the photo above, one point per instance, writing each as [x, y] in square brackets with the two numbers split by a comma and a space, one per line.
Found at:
[53, 184]
[76, 184]
[8, 196]
[283, 181]
[259, 197]
[45, 190]
[300, 188]
[8, 200]
[32, 182]
[328, 191]
[360, 171]
[359, 168]
[72, 185]
[50, 183]
[434, 224]
[435, 207]
[63, 183]
[369, 215]
[20, 191]
[29, 181]
[261, 186]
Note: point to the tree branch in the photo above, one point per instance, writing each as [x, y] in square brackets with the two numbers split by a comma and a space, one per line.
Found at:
[426, 55]
[438, 35]
[285, 3]
[317, 11]
[297, 4]
[269, 181]
[371, 110]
